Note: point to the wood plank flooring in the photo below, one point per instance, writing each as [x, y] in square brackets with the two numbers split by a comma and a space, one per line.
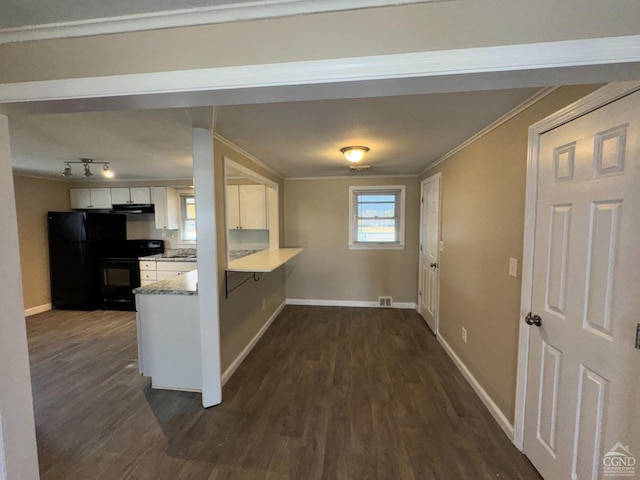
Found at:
[327, 393]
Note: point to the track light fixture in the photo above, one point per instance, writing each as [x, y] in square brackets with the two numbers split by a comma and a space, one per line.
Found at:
[67, 171]
[86, 163]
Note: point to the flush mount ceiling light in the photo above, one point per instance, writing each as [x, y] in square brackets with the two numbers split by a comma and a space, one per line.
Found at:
[86, 163]
[354, 153]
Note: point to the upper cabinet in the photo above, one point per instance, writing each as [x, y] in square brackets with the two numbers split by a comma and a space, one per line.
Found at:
[233, 207]
[246, 207]
[167, 204]
[166, 201]
[83, 198]
[133, 195]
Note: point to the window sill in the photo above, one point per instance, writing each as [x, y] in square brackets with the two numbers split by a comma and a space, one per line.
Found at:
[375, 246]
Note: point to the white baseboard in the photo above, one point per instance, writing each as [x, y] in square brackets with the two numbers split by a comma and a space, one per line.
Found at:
[243, 354]
[176, 389]
[39, 309]
[497, 414]
[344, 303]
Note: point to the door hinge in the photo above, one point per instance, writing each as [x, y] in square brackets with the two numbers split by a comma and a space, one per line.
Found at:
[420, 247]
[638, 336]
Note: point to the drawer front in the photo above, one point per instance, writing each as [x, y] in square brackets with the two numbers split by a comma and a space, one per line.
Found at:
[148, 275]
[176, 266]
[165, 275]
[147, 265]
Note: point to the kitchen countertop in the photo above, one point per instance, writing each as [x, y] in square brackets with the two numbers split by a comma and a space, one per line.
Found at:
[180, 255]
[236, 254]
[185, 284]
[264, 261]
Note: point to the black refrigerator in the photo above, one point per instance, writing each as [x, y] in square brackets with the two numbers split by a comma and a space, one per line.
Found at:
[77, 240]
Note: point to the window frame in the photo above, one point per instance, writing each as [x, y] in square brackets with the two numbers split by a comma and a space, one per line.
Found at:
[354, 192]
[182, 195]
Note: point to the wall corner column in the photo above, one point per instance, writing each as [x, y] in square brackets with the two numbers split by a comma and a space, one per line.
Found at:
[18, 451]
[204, 182]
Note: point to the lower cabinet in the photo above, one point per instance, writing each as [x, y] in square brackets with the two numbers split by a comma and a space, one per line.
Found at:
[169, 341]
[165, 270]
[152, 271]
[148, 272]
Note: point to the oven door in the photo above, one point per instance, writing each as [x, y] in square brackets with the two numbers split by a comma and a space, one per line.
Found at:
[118, 277]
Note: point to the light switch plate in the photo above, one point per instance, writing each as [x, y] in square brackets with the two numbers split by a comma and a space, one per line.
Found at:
[441, 246]
[513, 267]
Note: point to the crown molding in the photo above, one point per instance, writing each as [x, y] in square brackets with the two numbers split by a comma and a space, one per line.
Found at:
[352, 177]
[243, 152]
[101, 181]
[489, 128]
[37, 176]
[233, 12]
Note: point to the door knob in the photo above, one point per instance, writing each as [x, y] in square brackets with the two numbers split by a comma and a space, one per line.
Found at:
[533, 320]
[433, 265]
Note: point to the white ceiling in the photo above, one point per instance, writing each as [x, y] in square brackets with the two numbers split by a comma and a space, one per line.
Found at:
[139, 144]
[405, 134]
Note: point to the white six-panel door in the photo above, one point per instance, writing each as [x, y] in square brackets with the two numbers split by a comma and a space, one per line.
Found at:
[429, 243]
[583, 389]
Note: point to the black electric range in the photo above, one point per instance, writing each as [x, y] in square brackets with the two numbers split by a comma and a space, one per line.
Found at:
[120, 272]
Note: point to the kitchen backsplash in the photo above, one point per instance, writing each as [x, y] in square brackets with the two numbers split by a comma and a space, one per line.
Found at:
[248, 239]
[143, 226]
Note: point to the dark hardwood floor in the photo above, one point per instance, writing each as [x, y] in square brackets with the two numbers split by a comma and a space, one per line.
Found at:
[327, 393]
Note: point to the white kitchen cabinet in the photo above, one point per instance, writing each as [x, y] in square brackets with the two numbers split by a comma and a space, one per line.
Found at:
[166, 270]
[147, 272]
[246, 207]
[133, 195]
[147, 265]
[153, 271]
[166, 275]
[233, 207]
[169, 341]
[167, 205]
[84, 198]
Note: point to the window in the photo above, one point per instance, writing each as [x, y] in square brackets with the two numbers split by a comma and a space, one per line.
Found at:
[376, 217]
[187, 218]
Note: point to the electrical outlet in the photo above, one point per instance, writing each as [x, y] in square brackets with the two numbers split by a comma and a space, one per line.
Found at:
[513, 267]
[264, 304]
[464, 335]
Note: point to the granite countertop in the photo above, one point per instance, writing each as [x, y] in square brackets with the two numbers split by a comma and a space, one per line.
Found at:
[264, 261]
[235, 254]
[185, 284]
[179, 255]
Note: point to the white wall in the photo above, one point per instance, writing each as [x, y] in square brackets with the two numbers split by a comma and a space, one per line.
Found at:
[18, 453]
